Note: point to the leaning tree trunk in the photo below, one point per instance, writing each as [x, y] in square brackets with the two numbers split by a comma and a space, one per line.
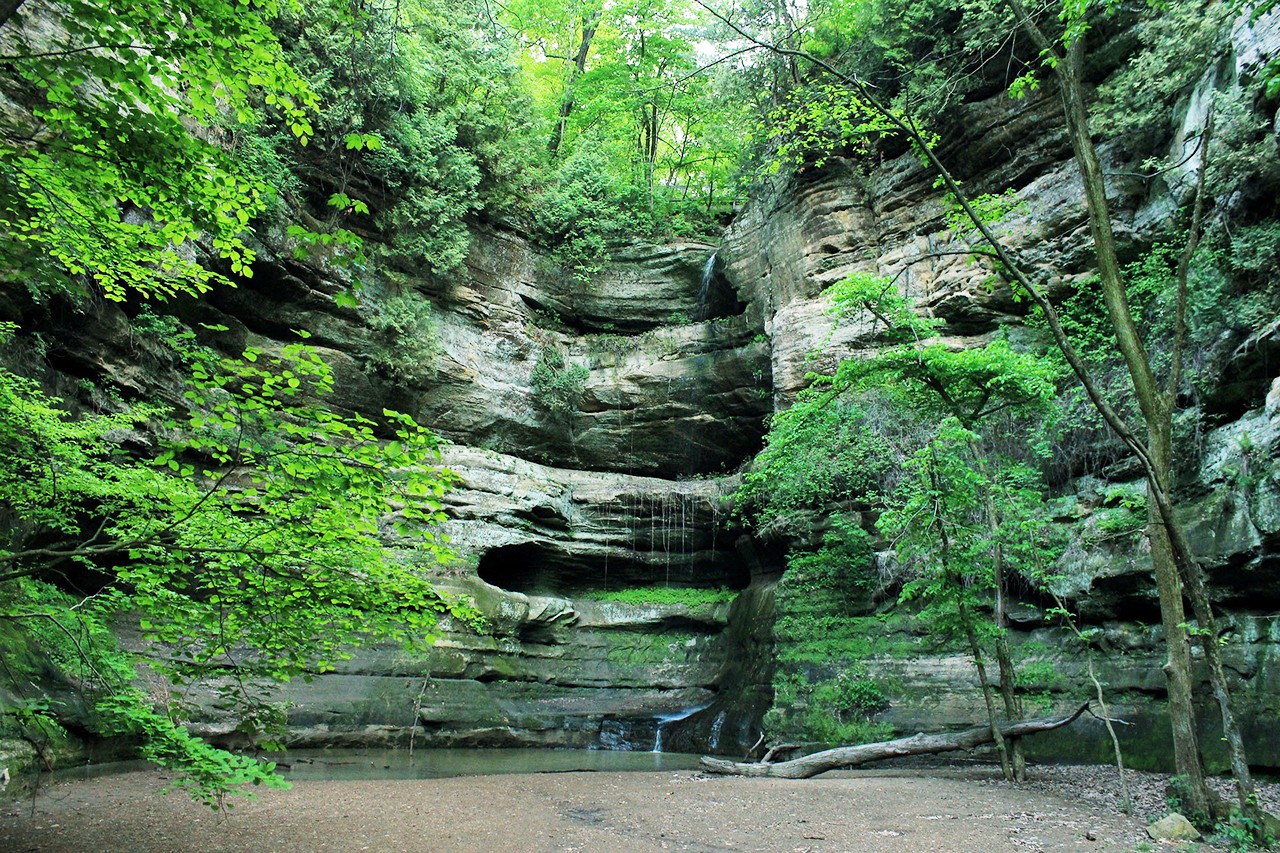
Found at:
[1175, 569]
[993, 727]
[853, 756]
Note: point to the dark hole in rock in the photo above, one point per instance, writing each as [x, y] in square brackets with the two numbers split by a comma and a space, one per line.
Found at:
[545, 569]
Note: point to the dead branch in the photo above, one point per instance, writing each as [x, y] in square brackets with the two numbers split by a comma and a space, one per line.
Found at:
[919, 744]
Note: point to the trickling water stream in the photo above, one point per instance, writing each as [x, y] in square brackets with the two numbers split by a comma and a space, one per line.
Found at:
[704, 288]
[664, 719]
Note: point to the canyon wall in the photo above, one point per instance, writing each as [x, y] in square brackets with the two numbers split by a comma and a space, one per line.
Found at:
[624, 484]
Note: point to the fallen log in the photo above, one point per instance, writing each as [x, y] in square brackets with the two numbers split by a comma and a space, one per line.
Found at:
[852, 756]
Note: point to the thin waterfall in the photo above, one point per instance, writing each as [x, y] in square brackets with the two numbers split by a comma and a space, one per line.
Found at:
[653, 525]
[684, 538]
[704, 288]
[668, 510]
[717, 725]
[664, 719]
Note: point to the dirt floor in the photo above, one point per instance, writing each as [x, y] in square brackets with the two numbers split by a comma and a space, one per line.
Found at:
[944, 808]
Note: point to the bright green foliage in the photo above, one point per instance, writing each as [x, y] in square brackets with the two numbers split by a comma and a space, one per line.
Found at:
[817, 121]
[253, 546]
[643, 141]
[919, 59]
[912, 52]
[991, 209]
[48, 635]
[969, 384]
[1124, 512]
[667, 595]
[953, 477]
[823, 689]
[557, 385]
[424, 121]
[210, 775]
[841, 569]
[405, 341]
[1179, 37]
[583, 209]
[940, 525]
[832, 711]
[823, 449]
[931, 377]
[291, 561]
[965, 516]
[105, 182]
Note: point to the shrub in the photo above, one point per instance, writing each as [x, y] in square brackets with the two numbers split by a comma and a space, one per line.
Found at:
[558, 386]
[405, 344]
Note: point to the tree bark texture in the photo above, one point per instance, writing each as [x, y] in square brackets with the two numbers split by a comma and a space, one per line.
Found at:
[590, 23]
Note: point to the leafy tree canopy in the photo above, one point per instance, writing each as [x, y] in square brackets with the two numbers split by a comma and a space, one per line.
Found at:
[117, 164]
[254, 545]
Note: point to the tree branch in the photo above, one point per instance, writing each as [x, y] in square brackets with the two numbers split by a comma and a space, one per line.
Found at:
[920, 744]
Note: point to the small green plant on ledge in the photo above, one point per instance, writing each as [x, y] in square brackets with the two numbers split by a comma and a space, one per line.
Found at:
[1124, 512]
[688, 596]
[558, 386]
[405, 341]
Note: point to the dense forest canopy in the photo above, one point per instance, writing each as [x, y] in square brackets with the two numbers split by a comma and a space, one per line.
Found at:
[150, 151]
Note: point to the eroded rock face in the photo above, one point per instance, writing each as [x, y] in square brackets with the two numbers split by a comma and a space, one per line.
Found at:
[560, 666]
[686, 350]
[888, 219]
[677, 381]
[677, 384]
[548, 530]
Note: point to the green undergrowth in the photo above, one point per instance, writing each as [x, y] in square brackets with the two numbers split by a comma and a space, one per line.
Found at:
[825, 635]
[665, 595]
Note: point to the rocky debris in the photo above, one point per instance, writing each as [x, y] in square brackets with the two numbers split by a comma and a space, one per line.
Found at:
[1173, 827]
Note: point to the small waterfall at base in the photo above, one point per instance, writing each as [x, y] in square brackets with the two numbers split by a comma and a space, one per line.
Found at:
[704, 287]
[716, 726]
[664, 719]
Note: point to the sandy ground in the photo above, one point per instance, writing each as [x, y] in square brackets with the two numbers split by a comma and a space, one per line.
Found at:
[967, 810]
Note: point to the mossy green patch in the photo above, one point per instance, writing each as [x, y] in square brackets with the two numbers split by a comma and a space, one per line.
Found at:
[824, 637]
[663, 595]
[637, 648]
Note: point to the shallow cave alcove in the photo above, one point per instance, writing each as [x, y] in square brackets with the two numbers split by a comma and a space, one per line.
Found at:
[543, 569]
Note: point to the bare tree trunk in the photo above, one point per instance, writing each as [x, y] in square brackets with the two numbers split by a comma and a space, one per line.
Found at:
[997, 737]
[590, 23]
[1009, 694]
[1004, 656]
[971, 635]
[853, 756]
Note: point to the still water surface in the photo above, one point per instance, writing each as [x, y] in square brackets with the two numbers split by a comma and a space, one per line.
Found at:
[357, 764]
[438, 763]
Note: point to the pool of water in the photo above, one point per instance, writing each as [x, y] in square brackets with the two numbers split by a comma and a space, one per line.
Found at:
[306, 764]
[358, 764]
